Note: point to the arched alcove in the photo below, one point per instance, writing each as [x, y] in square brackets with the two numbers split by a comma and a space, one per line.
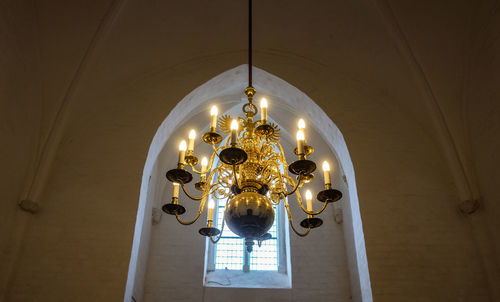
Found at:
[287, 105]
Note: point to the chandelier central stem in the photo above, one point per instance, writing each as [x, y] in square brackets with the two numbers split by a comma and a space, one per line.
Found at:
[249, 43]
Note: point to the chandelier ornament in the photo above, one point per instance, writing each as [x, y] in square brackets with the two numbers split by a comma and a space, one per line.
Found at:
[251, 175]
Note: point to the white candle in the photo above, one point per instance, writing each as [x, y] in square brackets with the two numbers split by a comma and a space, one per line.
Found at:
[263, 108]
[234, 132]
[211, 205]
[182, 152]
[300, 142]
[326, 172]
[309, 200]
[192, 136]
[302, 126]
[204, 164]
[176, 190]
[213, 118]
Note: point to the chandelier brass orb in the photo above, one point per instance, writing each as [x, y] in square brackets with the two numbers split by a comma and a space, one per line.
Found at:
[249, 215]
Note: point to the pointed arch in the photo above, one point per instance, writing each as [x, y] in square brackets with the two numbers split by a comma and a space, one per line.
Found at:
[292, 100]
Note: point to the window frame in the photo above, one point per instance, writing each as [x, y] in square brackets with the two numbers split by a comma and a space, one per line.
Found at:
[282, 246]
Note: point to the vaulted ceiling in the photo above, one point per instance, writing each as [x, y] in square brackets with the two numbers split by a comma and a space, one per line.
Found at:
[412, 85]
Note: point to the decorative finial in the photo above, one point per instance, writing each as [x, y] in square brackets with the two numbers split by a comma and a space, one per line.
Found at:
[250, 92]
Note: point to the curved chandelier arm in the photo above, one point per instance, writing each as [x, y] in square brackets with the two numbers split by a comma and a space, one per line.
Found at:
[284, 179]
[299, 201]
[215, 151]
[214, 241]
[212, 157]
[205, 193]
[296, 186]
[200, 210]
[285, 164]
[291, 222]
[235, 177]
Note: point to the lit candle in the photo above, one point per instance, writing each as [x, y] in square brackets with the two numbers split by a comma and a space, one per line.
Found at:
[263, 108]
[176, 190]
[192, 136]
[302, 126]
[213, 120]
[300, 142]
[182, 152]
[309, 200]
[234, 130]
[211, 205]
[204, 164]
[326, 172]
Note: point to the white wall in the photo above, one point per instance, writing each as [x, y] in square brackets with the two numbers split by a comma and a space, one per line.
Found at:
[176, 253]
[176, 256]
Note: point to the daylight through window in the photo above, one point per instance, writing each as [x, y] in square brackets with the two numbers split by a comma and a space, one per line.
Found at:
[230, 252]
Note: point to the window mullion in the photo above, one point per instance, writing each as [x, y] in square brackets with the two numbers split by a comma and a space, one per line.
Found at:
[246, 260]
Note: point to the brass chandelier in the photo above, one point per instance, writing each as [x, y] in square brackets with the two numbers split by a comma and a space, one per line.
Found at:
[251, 174]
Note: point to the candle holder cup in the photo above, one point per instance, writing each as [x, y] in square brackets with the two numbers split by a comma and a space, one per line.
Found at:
[179, 175]
[233, 156]
[329, 195]
[212, 137]
[302, 166]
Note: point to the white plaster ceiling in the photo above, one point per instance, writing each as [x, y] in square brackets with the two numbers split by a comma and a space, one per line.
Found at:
[119, 67]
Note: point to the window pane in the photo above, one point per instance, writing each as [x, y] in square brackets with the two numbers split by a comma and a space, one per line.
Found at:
[229, 251]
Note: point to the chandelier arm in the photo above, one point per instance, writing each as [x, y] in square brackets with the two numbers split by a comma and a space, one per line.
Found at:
[212, 157]
[295, 187]
[194, 169]
[215, 152]
[210, 191]
[299, 201]
[278, 174]
[291, 222]
[200, 210]
[214, 241]
[269, 164]
[235, 177]
[191, 196]
[212, 173]
[285, 164]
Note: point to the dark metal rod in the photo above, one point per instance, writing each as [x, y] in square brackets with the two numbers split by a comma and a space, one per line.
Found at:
[249, 43]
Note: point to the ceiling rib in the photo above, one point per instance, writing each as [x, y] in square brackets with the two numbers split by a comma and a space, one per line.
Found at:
[56, 132]
[444, 136]
[478, 227]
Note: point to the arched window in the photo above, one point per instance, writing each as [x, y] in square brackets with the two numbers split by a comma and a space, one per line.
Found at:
[229, 264]
[167, 256]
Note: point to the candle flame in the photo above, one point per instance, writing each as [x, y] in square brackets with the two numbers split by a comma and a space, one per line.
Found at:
[302, 124]
[326, 166]
[214, 110]
[204, 161]
[192, 134]
[234, 125]
[263, 103]
[182, 146]
[308, 195]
